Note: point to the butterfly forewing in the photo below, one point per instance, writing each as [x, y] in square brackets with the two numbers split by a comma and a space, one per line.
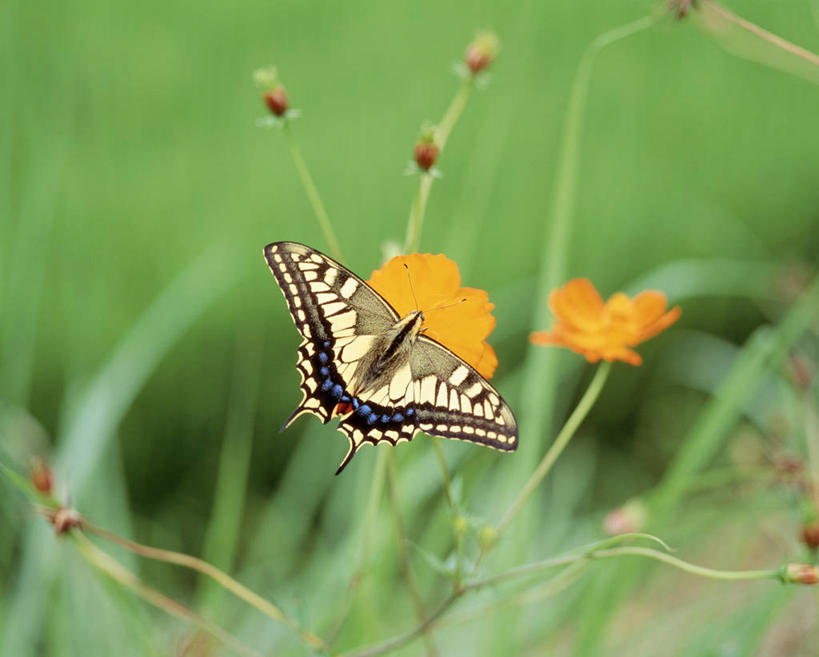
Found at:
[344, 323]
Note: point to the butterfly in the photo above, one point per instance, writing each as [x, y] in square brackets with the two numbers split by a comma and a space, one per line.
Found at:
[374, 370]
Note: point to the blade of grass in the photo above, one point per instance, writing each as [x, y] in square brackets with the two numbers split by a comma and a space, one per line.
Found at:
[94, 418]
[222, 535]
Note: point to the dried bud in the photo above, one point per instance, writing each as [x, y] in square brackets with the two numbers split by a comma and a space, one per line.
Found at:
[276, 100]
[64, 520]
[801, 371]
[481, 52]
[41, 477]
[627, 519]
[802, 573]
[810, 535]
[681, 7]
[426, 152]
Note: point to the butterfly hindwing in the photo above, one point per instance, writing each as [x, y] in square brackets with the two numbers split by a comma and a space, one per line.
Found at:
[452, 400]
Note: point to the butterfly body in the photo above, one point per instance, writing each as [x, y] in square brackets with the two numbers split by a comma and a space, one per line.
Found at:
[377, 372]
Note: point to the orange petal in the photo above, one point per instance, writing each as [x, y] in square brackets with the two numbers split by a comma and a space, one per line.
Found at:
[660, 324]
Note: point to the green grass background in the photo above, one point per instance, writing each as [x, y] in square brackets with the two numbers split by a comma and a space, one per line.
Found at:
[140, 329]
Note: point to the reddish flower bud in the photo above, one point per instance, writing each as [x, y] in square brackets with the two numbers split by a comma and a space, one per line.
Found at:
[426, 152]
[41, 477]
[681, 7]
[801, 371]
[276, 100]
[481, 52]
[627, 519]
[802, 573]
[810, 535]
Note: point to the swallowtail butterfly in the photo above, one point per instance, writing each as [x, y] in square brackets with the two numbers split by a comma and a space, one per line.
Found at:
[376, 371]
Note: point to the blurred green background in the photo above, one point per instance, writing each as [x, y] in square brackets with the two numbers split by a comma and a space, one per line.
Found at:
[141, 333]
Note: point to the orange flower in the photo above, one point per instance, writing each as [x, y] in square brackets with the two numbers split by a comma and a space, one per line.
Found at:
[457, 317]
[605, 330]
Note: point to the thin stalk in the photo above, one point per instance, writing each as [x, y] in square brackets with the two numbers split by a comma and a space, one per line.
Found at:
[240, 591]
[439, 452]
[113, 569]
[557, 447]
[569, 560]
[373, 501]
[403, 552]
[442, 132]
[313, 195]
[541, 369]
[406, 637]
[763, 34]
[548, 564]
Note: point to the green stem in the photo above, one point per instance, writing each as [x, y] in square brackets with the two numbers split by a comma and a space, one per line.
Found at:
[403, 552]
[313, 195]
[240, 591]
[439, 452]
[373, 501]
[563, 438]
[760, 33]
[548, 564]
[541, 369]
[570, 560]
[113, 569]
[442, 132]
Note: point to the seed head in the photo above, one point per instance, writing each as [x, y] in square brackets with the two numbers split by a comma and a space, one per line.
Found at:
[481, 52]
[802, 573]
[426, 152]
[41, 477]
[276, 100]
[810, 535]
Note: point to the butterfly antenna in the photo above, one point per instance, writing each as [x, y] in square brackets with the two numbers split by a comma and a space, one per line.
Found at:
[447, 305]
[412, 290]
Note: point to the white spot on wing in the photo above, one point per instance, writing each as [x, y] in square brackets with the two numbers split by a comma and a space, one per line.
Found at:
[457, 377]
[349, 287]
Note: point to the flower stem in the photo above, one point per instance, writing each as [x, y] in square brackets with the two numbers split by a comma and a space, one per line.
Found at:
[571, 561]
[109, 566]
[439, 452]
[403, 553]
[312, 194]
[712, 10]
[267, 608]
[563, 438]
[442, 132]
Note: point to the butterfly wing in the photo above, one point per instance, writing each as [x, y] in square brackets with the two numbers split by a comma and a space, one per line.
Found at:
[435, 392]
[336, 313]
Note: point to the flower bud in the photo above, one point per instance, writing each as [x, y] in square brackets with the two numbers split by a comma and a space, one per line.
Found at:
[801, 371]
[681, 7]
[461, 525]
[488, 536]
[810, 535]
[40, 476]
[426, 152]
[802, 573]
[276, 100]
[627, 519]
[481, 52]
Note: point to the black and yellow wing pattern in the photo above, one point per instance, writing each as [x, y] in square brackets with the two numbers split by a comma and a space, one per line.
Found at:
[360, 361]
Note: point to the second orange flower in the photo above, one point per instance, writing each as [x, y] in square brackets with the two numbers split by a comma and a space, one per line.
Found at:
[605, 330]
